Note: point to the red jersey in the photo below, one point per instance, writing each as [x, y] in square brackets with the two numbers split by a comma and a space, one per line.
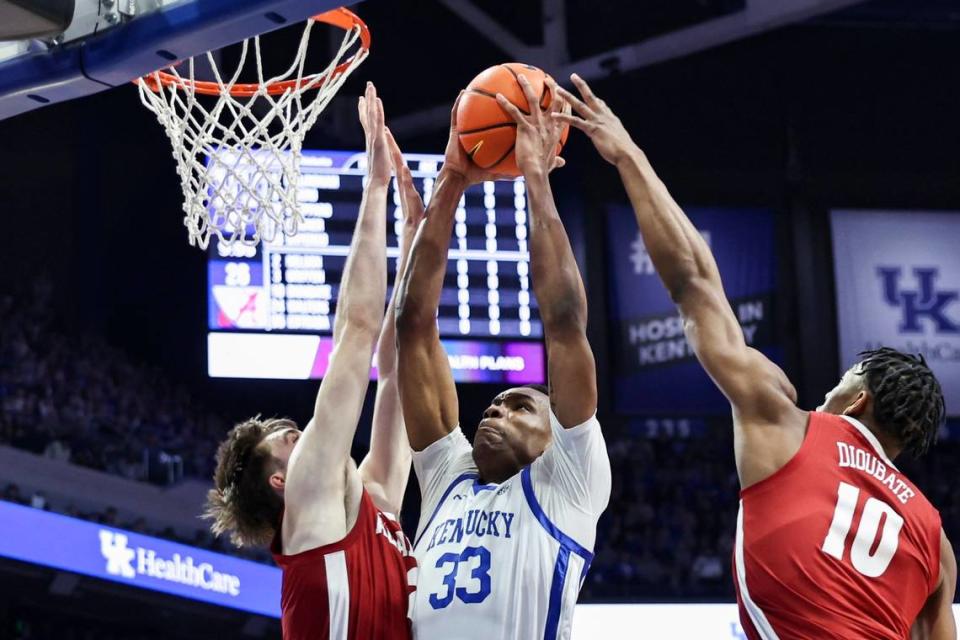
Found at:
[356, 589]
[836, 544]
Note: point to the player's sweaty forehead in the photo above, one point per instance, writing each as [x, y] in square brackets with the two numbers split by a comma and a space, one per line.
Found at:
[519, 393]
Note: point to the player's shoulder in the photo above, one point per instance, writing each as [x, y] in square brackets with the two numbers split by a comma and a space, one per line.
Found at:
[581, 432]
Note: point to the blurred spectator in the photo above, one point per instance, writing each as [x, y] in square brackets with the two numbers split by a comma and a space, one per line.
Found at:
[11, 493]
[58, 450]
[38, 500]
[77, 399]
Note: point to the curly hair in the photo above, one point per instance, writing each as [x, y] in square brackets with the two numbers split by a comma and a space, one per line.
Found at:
[907, 399]
[242, 503]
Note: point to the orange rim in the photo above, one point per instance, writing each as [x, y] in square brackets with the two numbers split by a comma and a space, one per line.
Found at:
[341, 17]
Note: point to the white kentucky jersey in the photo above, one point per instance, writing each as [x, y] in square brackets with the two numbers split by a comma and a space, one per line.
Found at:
[506, 561]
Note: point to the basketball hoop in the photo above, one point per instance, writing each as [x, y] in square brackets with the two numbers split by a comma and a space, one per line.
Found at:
[240, 170]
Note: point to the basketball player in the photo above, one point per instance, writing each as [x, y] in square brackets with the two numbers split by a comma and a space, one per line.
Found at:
[833, 541]
[507, 526]
[347, 567]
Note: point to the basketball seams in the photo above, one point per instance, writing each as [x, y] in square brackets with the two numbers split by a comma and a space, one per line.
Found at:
[488, 128]
[516, 76]
[503, 157]
[493, 96]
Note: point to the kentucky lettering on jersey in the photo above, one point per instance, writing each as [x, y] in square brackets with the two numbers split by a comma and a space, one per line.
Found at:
[507, 560]
[477, 523]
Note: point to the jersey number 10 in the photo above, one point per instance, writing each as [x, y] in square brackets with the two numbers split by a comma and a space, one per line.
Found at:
[869, 564]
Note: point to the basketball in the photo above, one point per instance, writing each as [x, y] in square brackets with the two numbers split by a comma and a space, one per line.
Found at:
[487, 133]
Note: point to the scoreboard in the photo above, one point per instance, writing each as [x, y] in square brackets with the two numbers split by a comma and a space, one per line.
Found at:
[272, 307]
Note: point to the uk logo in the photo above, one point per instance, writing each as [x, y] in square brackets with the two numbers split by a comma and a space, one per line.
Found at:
[924, 302]
[119, 557]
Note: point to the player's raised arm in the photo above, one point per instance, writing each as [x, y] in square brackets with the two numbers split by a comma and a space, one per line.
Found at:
[555, 277]
[936, 620]
[427, 391]
[318, 469]
[386, 468]
[758, 390]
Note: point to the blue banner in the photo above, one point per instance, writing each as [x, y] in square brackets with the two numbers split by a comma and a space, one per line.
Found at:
[655, 370]
[898, 285]
[61, 542]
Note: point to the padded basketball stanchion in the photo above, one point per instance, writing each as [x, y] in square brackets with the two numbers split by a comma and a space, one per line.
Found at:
[238, 145]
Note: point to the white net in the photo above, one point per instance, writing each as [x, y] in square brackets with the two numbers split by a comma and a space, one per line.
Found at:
[238, 156]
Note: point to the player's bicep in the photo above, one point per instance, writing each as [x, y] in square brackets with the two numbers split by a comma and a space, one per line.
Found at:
[572, 374]
[428, 395]
[757, 388]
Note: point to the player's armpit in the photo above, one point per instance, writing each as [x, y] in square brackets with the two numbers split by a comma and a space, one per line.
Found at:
[936, 620]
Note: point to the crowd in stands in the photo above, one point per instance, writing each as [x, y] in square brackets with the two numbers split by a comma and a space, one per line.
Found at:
[667, 535]
[78, 399]
[669, 530]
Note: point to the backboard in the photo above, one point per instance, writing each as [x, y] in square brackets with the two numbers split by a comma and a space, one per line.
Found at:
[111, 42]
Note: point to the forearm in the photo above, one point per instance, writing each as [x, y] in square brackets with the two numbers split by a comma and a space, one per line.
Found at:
[427, 391]
[387, 343]
[389, 447]
[422, 281]
[557, 284]
[364, 282]
[676, 248]
[387, 464]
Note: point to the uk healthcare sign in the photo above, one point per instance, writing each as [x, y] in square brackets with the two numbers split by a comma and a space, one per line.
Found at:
[655, 368]
[898, 285]
[52, 540]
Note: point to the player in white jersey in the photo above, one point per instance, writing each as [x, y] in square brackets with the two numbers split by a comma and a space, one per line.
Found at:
[507, 526]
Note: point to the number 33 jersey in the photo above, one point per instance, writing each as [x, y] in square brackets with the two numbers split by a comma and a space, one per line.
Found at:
[504, 561]
[837, 543]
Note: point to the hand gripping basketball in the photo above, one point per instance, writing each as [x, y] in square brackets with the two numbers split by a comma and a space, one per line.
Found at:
[487, 132]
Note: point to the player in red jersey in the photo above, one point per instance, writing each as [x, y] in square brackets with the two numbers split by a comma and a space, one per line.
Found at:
[348, 570]
[832, 540]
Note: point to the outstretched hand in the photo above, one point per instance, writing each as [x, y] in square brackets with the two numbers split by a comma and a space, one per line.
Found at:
[538, 135]
[598, 121]
[411, 204]
[370, 108]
